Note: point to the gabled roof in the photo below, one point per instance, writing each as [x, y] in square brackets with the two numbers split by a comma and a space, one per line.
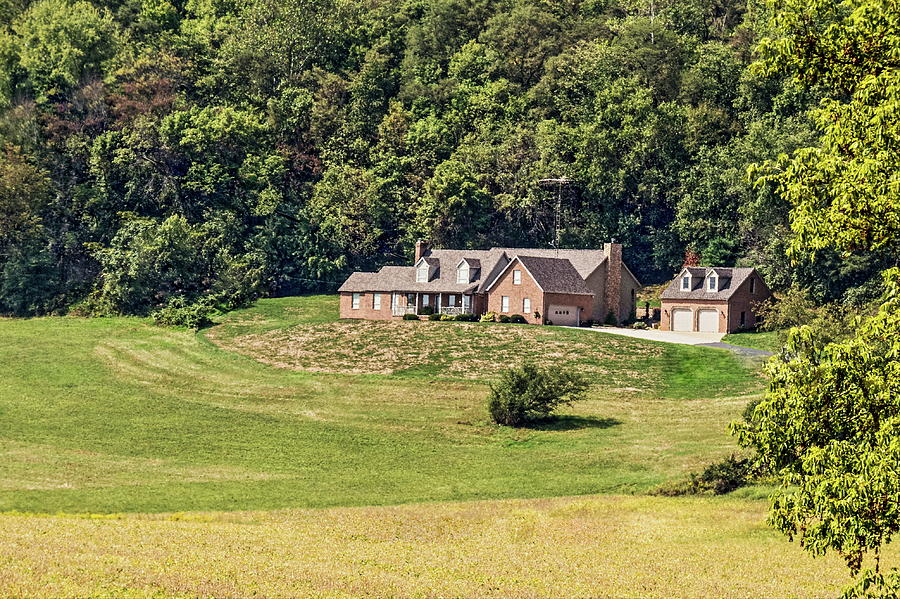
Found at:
[584, 261]
[729, 281]
[432, 262]
[555, 275]
[552, 275]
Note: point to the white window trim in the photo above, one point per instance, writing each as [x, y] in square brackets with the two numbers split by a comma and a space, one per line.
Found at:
[376, 301]
[712, 283]
[504, 303]
[422, 274]
[517, 277]
[686, 283]
[425, 299]
[526, 306]
[354, 301]
[462, 274]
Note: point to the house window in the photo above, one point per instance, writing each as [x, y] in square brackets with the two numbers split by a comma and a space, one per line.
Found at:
[451, 300]
[752, 285]
[462, 274]
[376, 301]
[685, 283]
[743, 318]
[504, 303]
[410, 299]
[425, 299]
[526, 306]
[712, 283]
[354, 304]
[517, 277]
[422, 274]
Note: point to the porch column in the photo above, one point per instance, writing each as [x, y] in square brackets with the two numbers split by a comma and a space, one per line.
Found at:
[438, 308]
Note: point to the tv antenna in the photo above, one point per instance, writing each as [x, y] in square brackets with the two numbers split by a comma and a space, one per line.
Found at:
[557, 224]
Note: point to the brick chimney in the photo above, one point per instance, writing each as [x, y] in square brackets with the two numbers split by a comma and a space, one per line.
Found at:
[421, 248]
[613, 252]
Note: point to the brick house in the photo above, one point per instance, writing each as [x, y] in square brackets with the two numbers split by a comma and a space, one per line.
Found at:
[563, 287]
[712, 300]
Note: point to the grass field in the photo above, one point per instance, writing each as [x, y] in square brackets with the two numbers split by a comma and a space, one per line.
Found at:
[227, 463]
[601, 546]
[116, 415]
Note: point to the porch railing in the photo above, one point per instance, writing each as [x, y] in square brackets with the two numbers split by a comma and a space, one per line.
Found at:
[401, 310]
[452, 310]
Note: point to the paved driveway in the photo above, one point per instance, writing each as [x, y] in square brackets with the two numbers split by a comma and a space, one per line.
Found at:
[705, 339]
[665, 336]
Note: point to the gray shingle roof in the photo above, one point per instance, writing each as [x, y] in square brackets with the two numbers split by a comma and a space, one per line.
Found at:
[555, 275]
[485, 266]
[729, 281]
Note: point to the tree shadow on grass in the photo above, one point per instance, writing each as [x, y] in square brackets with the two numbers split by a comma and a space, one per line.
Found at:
[571, 423]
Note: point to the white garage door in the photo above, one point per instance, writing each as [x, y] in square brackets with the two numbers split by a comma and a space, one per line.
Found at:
[682, 320]
[709, 321]
[563, 315]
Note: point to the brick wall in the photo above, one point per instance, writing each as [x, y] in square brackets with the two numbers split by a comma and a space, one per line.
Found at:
[744, 301]
[365, 307]
[517, 293]
[665, 316]
[596, 282]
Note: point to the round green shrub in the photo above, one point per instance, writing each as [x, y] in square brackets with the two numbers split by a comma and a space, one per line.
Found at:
[466, 318]
[410, 317]
[433, 316]
[529, 393]
[518, 319]
[503, 318]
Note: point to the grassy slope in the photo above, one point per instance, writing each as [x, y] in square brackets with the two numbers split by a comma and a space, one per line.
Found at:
[768, 341]
[115, 415]
[600, 546]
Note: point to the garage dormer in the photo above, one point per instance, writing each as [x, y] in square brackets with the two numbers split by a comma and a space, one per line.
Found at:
[712, 282]
[426, 269]
[686, 282]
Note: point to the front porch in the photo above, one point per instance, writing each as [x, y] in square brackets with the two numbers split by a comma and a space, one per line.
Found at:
[431, 303]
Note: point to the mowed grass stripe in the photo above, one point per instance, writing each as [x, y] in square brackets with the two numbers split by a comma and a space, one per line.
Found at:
[111, 415]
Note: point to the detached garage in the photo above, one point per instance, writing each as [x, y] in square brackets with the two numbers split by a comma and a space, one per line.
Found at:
[712, 300]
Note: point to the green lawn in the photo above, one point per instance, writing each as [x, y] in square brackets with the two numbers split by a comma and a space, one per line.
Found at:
[116, 415]
[768, 341]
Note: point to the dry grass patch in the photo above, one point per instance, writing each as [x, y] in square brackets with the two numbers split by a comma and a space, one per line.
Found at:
[455, 349]
[613, 546]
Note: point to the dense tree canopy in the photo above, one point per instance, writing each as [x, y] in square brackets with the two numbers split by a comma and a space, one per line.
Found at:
[305, 138]
[829, 426]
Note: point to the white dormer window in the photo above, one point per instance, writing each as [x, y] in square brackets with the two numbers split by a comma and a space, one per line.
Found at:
[517, 277]
[686, 283]
[462, 273]
[711, 283]
[422, 274]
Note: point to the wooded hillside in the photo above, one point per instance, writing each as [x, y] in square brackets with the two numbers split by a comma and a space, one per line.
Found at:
[159, 153]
